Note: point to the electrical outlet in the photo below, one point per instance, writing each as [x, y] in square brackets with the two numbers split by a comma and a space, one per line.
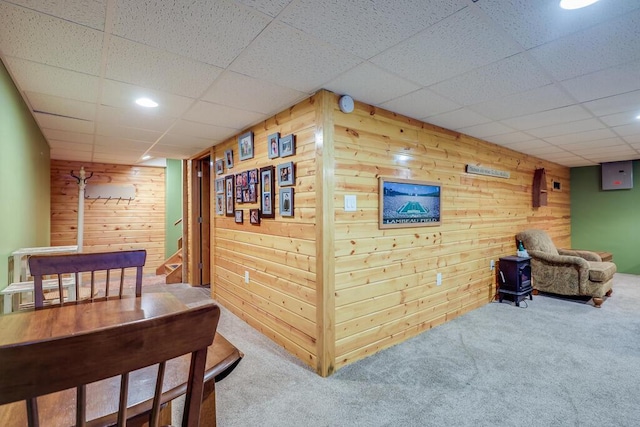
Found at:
[438, 279]
[246, 277]
[492, 265]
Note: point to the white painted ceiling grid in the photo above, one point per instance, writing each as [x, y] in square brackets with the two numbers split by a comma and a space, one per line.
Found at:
[561, 85]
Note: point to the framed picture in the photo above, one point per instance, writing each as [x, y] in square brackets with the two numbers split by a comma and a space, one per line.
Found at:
[220, 186]
[219, 167]
[229, 196]
[239, 194]
[220, 204]
[286, 201]
[228, 157]
[408, 203]
[267, 188]
[245, 146]
[253, 176]
[239, 216]
[287, 146]
[254, 216]
[250, 194]
[285, 174]
[273, 148]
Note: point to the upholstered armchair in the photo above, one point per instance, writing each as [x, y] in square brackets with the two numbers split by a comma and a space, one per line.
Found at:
[565, 271]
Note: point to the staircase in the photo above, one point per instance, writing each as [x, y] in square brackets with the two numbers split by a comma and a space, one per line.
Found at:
[172, 266]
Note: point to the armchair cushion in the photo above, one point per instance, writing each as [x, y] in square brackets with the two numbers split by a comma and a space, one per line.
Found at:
[601, 271]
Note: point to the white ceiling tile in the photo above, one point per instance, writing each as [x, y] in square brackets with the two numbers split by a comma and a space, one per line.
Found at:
[49, 121]
[566, 128]
[214, 32]
[366, 27]
[220, 115]
[470, 42]
[251, 94]
[629, 101]
[108, 129]
[620, 119]
[544, 150]
[61, 106]
[38, 37]
[118, 143]
[620, 149]
[288, 57]
[422, 103]
[201, 130]
[586, 52]
[511, 138]
[116, 158]
[123, 95]
[608, 142]
[497, 80]
[632, 139]
[156, 69]
[172, 152]
[487, 130]
[91, 13]
[140, 118]
[548, 118]
[536, 144]
[627, 130]
[72, 155]
[67, 145]
[579, 137]
[612, 157]
[519, 104]
[126, 151]
[545, 21]
[185, 141]
[269, 7]
[48, 80]
[457, 119]
[608, 82]
[60, 135]
[359, 80]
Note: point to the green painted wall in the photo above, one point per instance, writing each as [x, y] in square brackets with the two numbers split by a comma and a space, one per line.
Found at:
[606, 220]
[24, 177]
[173, 208]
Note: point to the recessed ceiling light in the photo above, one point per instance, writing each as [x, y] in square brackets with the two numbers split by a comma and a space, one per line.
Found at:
[576, 4]
[638, 117]
[147, 157]
[146, 102]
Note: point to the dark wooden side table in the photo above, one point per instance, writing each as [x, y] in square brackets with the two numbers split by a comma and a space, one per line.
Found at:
[514, 279]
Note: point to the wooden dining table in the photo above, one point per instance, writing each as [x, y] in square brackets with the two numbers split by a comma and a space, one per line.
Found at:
[58, 409]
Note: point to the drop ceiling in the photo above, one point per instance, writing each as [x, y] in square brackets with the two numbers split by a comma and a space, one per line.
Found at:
[560, 85]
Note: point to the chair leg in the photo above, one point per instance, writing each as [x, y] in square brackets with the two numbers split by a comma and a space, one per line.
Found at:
[597, 302]
[609, 292]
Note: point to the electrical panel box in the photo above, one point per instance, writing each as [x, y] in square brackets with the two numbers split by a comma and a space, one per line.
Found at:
[617, 175]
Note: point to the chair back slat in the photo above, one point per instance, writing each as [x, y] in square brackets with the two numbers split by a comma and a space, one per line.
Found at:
[108, 352]
[76, 264]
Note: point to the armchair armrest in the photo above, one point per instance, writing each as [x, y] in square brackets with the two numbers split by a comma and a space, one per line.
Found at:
[588, 255]
[553, 259]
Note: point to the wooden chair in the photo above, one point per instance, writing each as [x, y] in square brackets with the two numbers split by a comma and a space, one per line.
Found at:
[103, 353]
[75, 264]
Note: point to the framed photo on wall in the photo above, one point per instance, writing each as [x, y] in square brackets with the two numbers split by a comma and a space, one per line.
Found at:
[408, 203]
[228, 157]
[239, 216]
[220, 204]
[286, 201]
[287, 146]
[273, 145]
[254, 216]
[285, 174]
[267, 191]
[220, 186]
[229, 196]
[219, 167]
[245, 146]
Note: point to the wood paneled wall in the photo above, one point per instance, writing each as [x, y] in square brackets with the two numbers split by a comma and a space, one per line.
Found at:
[329, 285]
[111, 225]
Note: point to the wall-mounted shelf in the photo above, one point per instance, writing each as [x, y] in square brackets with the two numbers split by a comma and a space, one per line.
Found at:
[539, 188]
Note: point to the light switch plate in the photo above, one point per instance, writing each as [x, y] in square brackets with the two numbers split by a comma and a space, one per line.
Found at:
[350, 203]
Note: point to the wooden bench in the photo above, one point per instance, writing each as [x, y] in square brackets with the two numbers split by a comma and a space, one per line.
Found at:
[14, 293]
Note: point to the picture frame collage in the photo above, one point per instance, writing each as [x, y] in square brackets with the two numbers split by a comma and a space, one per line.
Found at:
[256, 185]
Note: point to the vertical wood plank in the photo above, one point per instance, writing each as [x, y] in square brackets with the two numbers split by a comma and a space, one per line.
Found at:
[325, 255]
